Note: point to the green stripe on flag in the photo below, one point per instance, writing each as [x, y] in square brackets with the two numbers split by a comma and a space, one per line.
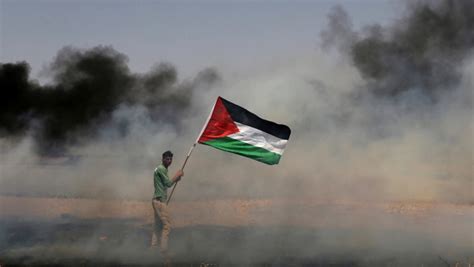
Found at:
[244, 149]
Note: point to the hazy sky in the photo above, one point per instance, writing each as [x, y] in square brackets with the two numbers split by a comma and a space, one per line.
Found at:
[407, 126]
[192, 35]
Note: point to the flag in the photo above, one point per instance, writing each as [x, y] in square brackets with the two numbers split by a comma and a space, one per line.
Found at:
[234, 129]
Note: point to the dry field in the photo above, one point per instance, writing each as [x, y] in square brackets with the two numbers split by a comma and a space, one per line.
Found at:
[259, 232]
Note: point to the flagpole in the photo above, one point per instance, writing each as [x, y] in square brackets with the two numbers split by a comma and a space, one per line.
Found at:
[191, 150]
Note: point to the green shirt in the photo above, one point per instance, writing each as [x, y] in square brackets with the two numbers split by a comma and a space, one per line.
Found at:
[161, 182]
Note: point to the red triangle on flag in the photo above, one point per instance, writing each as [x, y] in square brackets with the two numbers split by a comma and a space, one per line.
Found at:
[220, 124]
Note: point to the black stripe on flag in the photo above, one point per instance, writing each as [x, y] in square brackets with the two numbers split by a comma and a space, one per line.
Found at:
[241, 115]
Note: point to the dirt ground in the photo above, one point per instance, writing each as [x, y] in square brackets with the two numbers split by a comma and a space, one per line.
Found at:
[232, 232]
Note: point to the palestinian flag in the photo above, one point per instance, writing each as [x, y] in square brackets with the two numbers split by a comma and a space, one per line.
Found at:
[234, 129]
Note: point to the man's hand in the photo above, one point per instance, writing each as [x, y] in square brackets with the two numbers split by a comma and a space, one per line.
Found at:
[178, 175]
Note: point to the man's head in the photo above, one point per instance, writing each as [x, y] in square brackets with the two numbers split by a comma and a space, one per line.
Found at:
[167, 158]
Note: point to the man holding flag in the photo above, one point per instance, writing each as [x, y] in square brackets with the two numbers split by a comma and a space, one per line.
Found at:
[162, 224]
[230, 128]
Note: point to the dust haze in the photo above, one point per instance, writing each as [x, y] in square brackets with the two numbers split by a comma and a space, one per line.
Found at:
[382, 113]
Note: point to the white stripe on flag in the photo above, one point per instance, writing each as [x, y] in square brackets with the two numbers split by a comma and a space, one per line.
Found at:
[255, 137]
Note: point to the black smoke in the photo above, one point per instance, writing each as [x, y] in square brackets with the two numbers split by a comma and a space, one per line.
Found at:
[87, 87]
[422, 51]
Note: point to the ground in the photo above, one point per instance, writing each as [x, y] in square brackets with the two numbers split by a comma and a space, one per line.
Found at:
[233, 232]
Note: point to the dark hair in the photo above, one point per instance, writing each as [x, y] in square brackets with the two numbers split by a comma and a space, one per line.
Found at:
[167, 154]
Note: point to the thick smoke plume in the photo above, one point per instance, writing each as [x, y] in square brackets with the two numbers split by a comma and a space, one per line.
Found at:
[424, 50]
[390, 120]
[396, 110]
[415, 98]
[87, 87]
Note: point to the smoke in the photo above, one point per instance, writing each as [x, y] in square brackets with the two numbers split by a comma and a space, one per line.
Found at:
[87, 87]
[414, 102]
[94, 124]
[339, 31]
[389, 120]
[396, 111]
[424, 50]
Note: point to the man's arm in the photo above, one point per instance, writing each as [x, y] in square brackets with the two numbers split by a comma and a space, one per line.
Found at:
[166, 180]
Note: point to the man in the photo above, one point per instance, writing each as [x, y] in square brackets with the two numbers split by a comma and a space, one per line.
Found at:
[162, 226]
